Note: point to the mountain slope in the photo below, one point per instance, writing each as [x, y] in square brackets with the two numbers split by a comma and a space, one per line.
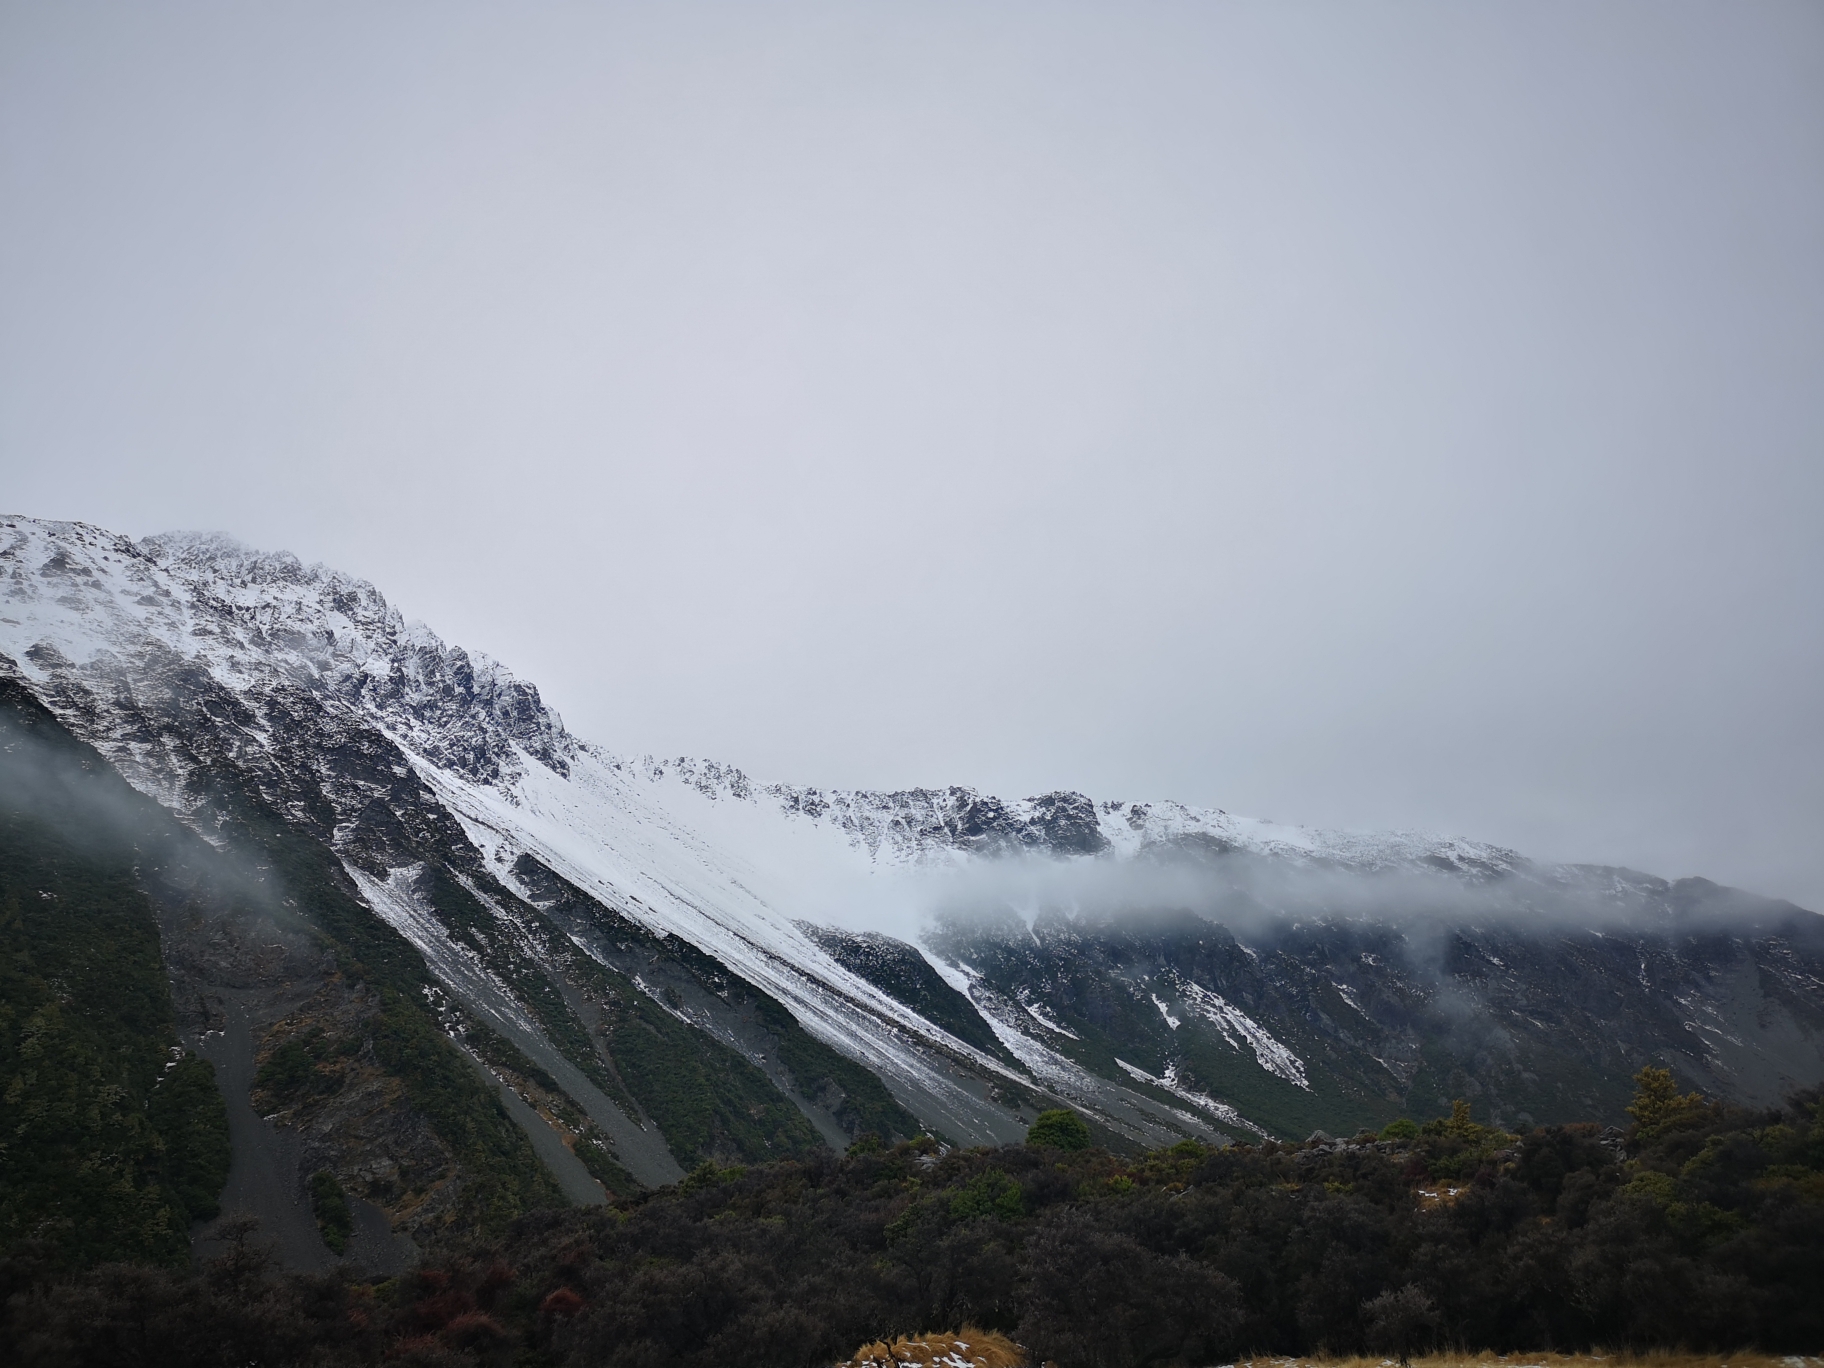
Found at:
[639, 959]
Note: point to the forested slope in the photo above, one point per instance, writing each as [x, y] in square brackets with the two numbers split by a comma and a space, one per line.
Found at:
[1702, 1225]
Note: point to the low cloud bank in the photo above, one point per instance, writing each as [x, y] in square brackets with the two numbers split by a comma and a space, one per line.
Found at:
[1256, 896]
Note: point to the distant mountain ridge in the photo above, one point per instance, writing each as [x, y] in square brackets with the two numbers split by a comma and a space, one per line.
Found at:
[919, 824]
[626, 954]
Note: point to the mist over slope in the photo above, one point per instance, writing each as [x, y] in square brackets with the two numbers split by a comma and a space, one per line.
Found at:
[651, 963]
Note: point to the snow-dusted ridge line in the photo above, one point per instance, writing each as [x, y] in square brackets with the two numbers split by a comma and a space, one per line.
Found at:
[918, 826]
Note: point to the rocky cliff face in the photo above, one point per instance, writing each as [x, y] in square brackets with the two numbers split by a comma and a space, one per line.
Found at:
[621, 955]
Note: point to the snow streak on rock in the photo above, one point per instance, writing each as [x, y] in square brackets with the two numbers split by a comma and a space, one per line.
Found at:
[1222, 1111]
[1238, 1028]
[396, 902]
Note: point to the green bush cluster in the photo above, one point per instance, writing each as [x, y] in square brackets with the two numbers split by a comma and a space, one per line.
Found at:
[1455, 1146]
[330, 1206]
[1059, 1129]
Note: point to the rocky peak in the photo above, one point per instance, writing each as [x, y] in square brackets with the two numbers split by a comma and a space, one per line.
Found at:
[254, 616]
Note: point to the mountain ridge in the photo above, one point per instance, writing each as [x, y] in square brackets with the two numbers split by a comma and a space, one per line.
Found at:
[350, 627]
[574, 917]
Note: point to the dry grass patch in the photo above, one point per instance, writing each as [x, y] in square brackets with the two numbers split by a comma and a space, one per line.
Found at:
[972, 1348]
[967, 1348]
[1651, 1359]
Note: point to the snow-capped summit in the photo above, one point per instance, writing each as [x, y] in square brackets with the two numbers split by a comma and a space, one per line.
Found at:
[254, 618]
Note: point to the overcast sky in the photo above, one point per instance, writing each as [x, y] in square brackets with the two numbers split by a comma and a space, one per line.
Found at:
[1365, 415]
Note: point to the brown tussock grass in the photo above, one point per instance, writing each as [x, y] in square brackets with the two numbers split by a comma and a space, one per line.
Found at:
[973, 1348]
[966, 1348]
[1654, 1358]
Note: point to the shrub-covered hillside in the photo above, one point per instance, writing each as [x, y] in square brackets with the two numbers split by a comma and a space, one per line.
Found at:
[112, 1138]
[1701, 1225]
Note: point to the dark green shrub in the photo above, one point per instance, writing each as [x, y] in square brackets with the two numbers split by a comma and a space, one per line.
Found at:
[330, 1204]
[1060, 1129]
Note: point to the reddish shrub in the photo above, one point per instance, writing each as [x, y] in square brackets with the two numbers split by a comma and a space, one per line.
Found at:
[496, 1280]
[432, 1313]
[475, 1330]
[562, 1302]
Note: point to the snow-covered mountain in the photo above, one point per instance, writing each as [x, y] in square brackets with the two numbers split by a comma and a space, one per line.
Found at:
[1169, 971]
